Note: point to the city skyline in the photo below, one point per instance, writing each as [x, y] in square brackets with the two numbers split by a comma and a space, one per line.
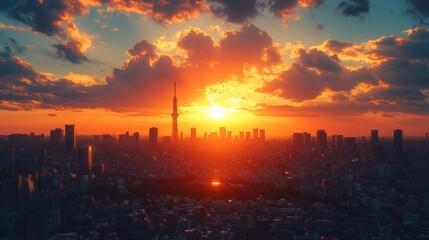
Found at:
[345, 66]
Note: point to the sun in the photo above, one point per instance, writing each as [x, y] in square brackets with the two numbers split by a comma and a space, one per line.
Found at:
[217, 112]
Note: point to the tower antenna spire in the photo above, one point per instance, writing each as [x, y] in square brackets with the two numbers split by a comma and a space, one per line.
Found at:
[174, 88]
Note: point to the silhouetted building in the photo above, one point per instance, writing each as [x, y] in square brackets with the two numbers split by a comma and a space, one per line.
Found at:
[307, 138]
[397, 141]
[70, 140]
[85, 160]
[174, 116]
[255, 134]
[298, 140]
[193, 134]
[241, 136]
[222, 133]
[322, 139]
[136, 138]
[262, 135]
[374, 139]
[153, 136]
[337, 142]
[55, 139]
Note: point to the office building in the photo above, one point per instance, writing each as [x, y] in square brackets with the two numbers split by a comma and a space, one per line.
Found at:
[70, 140]
[322, 139]
[153, 136]
[397, 141]
[85, 160]
[193, 134]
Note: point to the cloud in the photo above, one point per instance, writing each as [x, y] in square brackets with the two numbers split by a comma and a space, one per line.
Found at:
[319, 27]
[52, 114]
[419, 9]
[237, 11]
[287, 8]
[318, 59]
[354, 8]
[166, 11]
[10, 46]
[53, 18]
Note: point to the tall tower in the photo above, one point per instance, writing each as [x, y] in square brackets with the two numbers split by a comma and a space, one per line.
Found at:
[174, 115]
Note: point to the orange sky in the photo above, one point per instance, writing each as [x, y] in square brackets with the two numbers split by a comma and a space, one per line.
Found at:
[290, 66]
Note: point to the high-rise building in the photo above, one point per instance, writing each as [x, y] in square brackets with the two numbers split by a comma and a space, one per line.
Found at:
[374, 138]
[55, 139]
[70, 140]
[193, 134]
[298, 140]
[397, 141]
[174, 116]
[307, 138]
[85, 160]
[262, 135]
[222, 133]
[322, 139]
[153, 136]
[255, 134]
[337, 142]
[136, 138]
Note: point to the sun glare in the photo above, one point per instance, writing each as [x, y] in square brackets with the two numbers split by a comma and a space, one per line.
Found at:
[215, 183]
[218, 112]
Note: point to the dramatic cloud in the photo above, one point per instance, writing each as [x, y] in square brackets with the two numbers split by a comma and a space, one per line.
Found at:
[318, 59]
[237, 11]
[287, 8]
[53, 18]
[354, 8]
[166, 11]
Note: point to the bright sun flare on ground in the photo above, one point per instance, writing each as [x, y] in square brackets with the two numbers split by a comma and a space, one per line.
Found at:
[218, 112]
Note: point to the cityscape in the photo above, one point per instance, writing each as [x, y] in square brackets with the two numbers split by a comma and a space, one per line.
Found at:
[188, 186]
[214, 119]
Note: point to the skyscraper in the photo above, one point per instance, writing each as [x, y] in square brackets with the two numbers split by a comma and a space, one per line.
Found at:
[262, 135]
[222, 133]
[174, 116]
[397, 141]
[297, 140]
[70, 140]
[85, 160]
[153, 136]
[136, 138]
[55, 139]
[307, 138]
[322, 139]
[193, 134]
[337, 142]
[374, 139]
[255, 134]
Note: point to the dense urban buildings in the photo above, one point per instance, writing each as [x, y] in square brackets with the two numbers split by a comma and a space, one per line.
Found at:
[262, 189]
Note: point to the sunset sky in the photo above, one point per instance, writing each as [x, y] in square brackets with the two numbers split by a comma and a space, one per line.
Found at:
[108, 66]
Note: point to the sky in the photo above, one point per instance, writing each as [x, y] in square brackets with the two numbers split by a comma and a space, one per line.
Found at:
[108, 66]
